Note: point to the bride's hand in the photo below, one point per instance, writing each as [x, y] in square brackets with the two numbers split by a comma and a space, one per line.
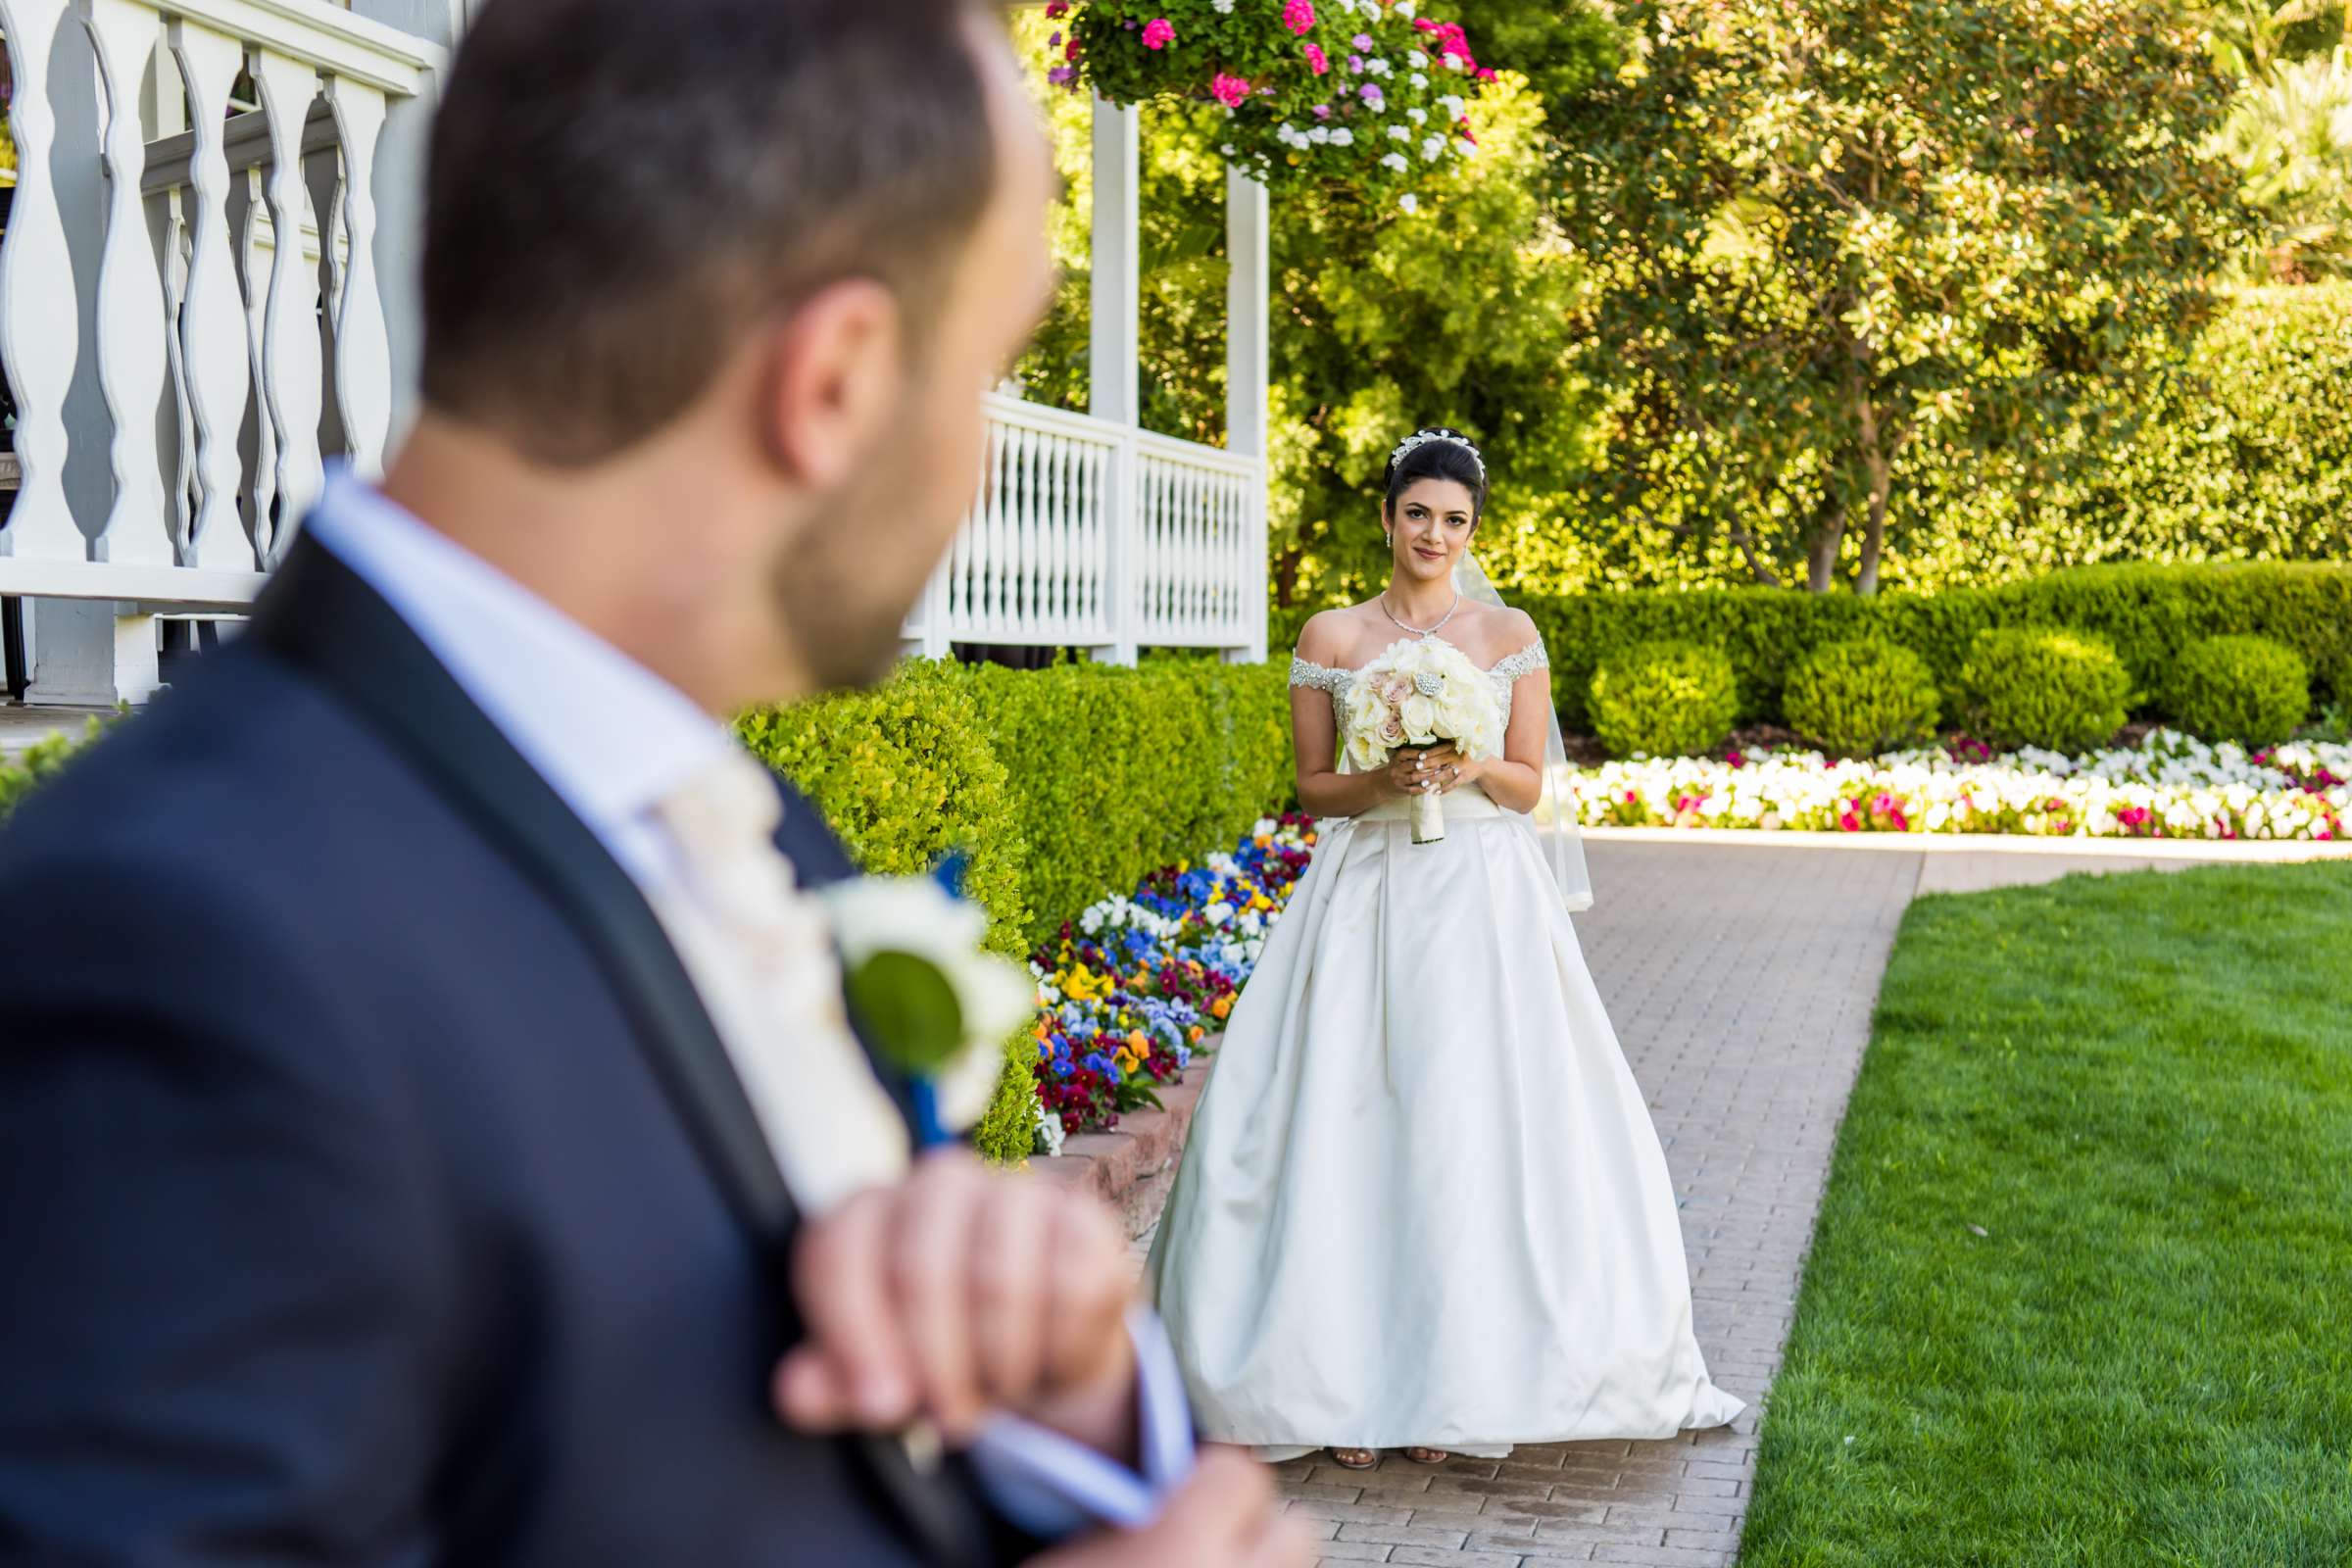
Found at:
[1410, 772]
[1449, 768]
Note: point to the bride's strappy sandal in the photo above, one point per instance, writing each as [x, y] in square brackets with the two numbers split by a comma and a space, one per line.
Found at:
[1427, 1455]
[1355, 1458]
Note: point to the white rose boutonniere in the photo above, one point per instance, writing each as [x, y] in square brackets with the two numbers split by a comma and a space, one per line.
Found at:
[932, 1002]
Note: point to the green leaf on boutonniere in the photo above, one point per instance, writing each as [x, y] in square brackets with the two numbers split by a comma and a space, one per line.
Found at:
[910, 1010]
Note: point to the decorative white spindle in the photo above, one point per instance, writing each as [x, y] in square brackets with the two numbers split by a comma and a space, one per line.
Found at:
[131, 325]
[362, 345]
[290, 335]
[212, 327]
[38, 313]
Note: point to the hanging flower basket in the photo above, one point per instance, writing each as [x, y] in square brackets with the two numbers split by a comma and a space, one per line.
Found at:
[1363, 93]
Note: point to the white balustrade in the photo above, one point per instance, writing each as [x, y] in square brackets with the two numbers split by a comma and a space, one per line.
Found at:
[210, 274]
[191, 319]
[1050, 557]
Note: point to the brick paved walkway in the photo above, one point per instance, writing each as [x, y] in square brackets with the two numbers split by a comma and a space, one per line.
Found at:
[1740, 981]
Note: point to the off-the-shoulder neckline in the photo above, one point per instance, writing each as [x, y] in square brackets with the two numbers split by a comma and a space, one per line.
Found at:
[1343, 669]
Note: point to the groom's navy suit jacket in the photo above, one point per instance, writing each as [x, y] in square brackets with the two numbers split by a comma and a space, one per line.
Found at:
[373, 1189]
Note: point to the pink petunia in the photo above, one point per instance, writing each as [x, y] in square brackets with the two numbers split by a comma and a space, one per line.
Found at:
[1230, 92]
[1322, 111]
[1363, 41]
[1316, 61]
[1299, 15]
[1158, 33]
[1063, 75]
[1059, 10]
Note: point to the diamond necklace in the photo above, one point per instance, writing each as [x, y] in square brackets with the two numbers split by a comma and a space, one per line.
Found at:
[1415, 630]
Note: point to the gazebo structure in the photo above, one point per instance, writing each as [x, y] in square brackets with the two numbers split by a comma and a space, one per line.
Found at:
[180, 377]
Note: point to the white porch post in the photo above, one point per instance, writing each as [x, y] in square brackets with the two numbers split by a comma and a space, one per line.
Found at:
[398, 196]
[1112, 359]
[1247, 376]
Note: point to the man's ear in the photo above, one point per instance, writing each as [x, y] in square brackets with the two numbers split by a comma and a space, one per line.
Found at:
[836, 372]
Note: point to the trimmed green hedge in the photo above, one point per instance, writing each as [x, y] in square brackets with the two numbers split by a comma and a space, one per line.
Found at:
[1064, 785]
[2148, 614]
[38, 762]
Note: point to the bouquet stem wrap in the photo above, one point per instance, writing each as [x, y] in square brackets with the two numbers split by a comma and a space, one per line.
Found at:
[1429, 817]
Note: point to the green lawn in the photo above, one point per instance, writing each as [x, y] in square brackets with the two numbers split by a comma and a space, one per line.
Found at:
[2139, 1088]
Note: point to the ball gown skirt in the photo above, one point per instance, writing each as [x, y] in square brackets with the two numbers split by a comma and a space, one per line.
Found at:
[1423, 1204]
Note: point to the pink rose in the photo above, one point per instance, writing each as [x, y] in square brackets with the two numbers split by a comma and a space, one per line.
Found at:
[1316, 62]
[1158, 33]
[1230, 92]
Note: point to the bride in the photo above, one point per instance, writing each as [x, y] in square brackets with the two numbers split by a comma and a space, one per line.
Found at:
[1423, 1205]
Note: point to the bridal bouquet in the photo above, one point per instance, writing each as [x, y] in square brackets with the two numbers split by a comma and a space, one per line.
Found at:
[1418, 693]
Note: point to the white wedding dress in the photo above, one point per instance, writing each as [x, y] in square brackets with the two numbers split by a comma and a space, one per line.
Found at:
[1423, 1204]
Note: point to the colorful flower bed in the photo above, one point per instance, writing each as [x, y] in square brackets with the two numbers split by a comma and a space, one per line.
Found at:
[1363, 92]
[2169, 786]
[1136, 984]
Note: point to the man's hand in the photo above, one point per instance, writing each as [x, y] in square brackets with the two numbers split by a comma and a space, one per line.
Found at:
[959, 1290]
[1224, 1516]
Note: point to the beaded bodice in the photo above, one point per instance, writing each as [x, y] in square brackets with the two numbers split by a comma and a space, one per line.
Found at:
[1504, 674]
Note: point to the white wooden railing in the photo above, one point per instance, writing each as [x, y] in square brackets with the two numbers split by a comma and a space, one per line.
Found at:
[1096, 535]
[193, 317]
[192, 235]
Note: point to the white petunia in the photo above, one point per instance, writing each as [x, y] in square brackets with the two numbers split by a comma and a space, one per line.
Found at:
[1419, 117]
[1342, 136]
[1410, 202]
[1398, 162]
[1400, 133]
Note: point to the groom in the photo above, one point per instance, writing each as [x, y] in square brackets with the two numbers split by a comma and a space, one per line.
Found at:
[427, 1105]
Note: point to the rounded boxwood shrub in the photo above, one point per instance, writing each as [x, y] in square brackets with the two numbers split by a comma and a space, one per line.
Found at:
[1664, 699]
[2034, 686]
[2250, 690]
[1863, 697]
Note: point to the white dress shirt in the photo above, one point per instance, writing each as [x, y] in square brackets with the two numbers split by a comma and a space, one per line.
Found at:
[616, 741]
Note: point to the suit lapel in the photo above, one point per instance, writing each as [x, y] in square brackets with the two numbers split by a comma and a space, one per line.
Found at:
[320, 614]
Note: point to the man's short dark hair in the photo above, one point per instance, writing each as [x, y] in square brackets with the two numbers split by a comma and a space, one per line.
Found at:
[620, 189]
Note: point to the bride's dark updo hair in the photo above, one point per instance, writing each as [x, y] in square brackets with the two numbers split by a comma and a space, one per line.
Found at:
[1437, 451]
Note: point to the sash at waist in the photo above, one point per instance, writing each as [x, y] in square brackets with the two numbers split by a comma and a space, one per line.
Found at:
[1467, 804]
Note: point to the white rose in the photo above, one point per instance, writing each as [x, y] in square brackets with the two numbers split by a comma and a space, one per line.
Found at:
[916, 915]
[1419, 713]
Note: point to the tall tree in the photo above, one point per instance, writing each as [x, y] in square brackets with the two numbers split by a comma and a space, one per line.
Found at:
[1841, 247]
[1457, 314]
